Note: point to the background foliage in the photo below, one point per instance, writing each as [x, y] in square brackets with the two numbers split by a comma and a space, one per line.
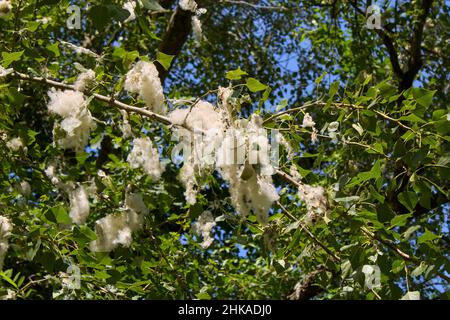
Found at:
[386, 172]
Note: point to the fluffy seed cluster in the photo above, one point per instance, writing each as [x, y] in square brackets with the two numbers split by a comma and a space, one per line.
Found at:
[197, 29]
[117, 229]
[15, 144]
[84, 80]
[316, 201]
[130, 6]
[308, 122]
[250, 181]
[25, 188]
[188, 5]
[205, 129]
[5, 233]
[203, 227]
[80, 50]
[50, 172]
[238, 150]
[143, 79]
[74, 129]
[145, 156]
[4, 72]
[5, 8]
[79, 205]
[125, 125]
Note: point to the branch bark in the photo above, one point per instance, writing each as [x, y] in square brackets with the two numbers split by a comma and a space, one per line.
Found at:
[177, 33]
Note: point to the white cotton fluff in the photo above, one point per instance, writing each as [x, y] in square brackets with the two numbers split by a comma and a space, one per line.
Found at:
[254, 194]
[15, 144]
[145, 156]
[197, 29]
[80, 50]
[74, 130]
[202, 116]
[130, 6]
[50, 172]
[125, 125]
[4, 72]
[308, 121]
[188, 5]
[286, 145]
[237, 150]
[84, 80]
[5, 233]
[115, 230]
[25, 188]
[205, 121]
[315, 199]
[224, 96]
[203, 227]
[143, 79]
[314, 137]
[79, 205]
[135, 202]
[250, 181]
[67, 103]
[187, 178]
[5, 8]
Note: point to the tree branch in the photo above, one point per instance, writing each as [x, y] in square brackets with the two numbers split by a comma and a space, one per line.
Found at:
[110, 100]
[310, 234]
[174, 38]
[257, 6]
[399, 252]
[415, 59]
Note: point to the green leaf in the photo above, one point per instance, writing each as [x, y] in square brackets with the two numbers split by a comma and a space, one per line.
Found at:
[319, 79]
[427, 237]
[400, 220]
[408, 199]
[412, 118]
[254, 85]
[103, 15]
[235, 74]
[9, 58]
[203, 296]
[374, 173]
[164, 59]
[54, 48]
[334, 89]
[358, 128]
[423, 96]
[152, 5]
[398, 266]
[347, 199]
[83, 234]
[265, 96]
[58, 214]
[419, 270]
[279, 265]
[411, 295]
[8, 279]
[408, 233]
[283, 104]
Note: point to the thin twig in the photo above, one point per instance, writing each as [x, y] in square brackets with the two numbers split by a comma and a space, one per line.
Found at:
[399, 252]
[309, 233]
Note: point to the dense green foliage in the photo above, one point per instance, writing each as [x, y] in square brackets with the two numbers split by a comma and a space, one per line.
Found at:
[386, 168]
